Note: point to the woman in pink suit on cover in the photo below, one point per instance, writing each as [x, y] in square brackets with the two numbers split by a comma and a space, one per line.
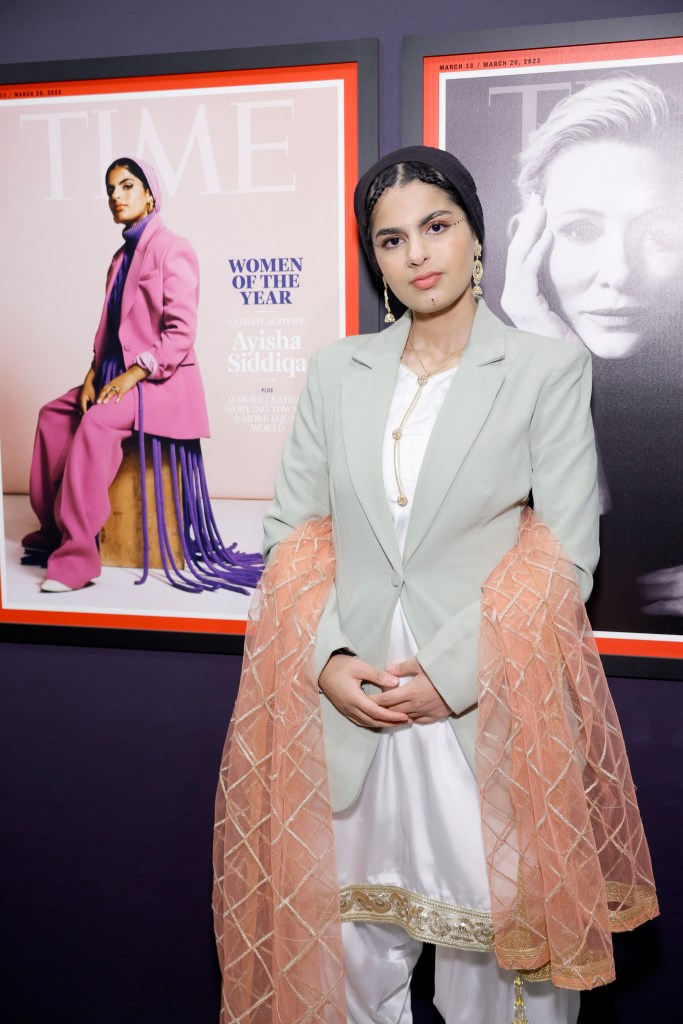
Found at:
[146, 333]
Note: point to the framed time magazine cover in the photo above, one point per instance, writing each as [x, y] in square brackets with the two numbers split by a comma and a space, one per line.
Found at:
[574, 135]
[256, 152]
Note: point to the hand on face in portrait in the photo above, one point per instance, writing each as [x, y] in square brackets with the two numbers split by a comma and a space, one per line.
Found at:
[419, 699]
[121, 385]
[522, 298]
[341, 680]
[662, 591]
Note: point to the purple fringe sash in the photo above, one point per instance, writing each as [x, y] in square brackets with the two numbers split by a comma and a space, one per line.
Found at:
[211, 565]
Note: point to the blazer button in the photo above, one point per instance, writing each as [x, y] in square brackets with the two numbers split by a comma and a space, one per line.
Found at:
[127, 348]
[395, 581]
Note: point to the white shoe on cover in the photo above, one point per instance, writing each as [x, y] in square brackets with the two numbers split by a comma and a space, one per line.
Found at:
[55, 587]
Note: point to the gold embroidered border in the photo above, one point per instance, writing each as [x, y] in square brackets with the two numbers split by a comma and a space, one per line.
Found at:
[424, 919]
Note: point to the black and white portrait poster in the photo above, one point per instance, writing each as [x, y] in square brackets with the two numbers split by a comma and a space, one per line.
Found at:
[576, 152]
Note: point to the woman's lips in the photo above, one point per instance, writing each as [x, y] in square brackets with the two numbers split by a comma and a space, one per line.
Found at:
[617, 318]
[426, 280]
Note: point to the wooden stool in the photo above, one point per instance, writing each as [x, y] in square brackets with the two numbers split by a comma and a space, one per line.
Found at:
[121, 537]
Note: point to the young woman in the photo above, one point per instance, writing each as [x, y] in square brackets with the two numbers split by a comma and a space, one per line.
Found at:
[423, 444]
[144, 376]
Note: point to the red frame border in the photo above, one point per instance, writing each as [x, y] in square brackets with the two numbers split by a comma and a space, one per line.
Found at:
[348, 72]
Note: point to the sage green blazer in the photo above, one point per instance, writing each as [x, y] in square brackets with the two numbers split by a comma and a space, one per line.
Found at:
[516, 422]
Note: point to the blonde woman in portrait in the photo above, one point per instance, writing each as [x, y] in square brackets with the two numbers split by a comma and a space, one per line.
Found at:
[596, 257]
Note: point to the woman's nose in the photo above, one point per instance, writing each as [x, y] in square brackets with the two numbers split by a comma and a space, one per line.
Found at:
[416, 252]
[615, 266]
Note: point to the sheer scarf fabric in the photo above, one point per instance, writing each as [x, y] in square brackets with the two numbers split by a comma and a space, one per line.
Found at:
[566, 854]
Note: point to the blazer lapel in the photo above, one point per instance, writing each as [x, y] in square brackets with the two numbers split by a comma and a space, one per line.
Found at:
[111, 276]
[131, 286]
[464, 412]
[366, 396]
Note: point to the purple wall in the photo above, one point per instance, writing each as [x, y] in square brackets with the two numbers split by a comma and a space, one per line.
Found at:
[109, 758]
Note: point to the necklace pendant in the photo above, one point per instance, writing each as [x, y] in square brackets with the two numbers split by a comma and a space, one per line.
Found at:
[396, 434]
[422, 380]
[402, 500]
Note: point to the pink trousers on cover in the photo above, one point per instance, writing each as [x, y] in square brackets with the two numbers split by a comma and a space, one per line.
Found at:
[75, 460]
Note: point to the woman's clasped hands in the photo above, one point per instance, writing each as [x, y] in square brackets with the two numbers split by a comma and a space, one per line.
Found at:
[418, 700]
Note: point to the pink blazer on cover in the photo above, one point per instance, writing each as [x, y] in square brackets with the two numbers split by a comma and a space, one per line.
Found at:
[159, 319]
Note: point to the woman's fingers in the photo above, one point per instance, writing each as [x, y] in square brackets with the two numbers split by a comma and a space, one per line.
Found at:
[385, 680]
[662, 591]
[529, 228]
[663, 583]
[404, 668]
[374, 715]
[418, 699]
[531, 242]
[341, 681]
[522, 298]
[672, 607]
[115, 389]
[86, 398]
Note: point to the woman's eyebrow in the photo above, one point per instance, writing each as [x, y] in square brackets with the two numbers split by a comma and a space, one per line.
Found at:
[588, 211]
[420, 223]
[431, 216]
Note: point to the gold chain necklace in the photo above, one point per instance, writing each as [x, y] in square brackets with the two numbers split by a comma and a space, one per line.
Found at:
[422, 379]
[397, 433]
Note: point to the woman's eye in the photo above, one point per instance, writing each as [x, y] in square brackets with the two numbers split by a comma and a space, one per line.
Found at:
[437, 228]
[662, 234]
[391, 242]
[582, 232]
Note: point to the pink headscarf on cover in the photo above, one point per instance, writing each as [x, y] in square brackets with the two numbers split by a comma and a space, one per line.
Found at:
[149, 172]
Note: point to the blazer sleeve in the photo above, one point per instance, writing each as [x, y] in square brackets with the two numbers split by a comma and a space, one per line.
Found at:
[565, 495]
[178, 313]
[302, 492]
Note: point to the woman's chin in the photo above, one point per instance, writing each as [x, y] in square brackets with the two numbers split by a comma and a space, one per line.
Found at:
[613, 345]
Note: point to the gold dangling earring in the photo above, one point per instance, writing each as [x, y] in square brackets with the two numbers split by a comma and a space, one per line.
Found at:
[389, 317]
[477, 270]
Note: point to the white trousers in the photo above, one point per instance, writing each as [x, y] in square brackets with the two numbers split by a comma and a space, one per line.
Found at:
[469, 988]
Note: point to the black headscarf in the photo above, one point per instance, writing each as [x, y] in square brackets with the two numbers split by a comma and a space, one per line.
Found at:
[455, 173]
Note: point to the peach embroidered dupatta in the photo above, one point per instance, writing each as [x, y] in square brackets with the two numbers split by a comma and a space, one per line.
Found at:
[276, 896]
[567, 857]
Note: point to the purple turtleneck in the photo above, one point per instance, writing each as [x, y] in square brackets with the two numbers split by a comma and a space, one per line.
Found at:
[112, 361]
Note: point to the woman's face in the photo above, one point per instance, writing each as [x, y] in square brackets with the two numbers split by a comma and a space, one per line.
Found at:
[424, 247]
[129, 200]
[616, 251]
